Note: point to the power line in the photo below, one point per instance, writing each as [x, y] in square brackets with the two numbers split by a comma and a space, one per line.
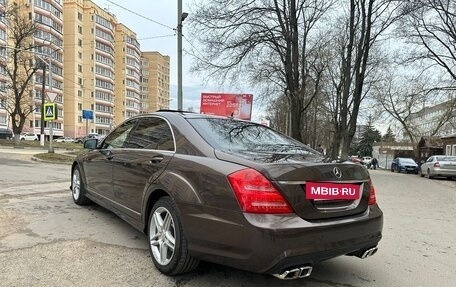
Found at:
[156, 37]
[137, 14]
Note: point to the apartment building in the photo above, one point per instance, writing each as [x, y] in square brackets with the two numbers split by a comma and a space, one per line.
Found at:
[48, 52]
[427, 119]
[128, 75]
[4, 118]
[92, 63]
[89, 68]
[48, 40]
[154, 82]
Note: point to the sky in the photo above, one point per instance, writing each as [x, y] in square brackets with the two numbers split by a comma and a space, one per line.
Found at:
[156, 34]
[154, 21]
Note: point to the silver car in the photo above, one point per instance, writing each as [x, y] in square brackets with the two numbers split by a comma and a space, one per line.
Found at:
[439, 165]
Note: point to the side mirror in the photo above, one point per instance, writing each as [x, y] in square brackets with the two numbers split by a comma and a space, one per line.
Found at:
[91, 144]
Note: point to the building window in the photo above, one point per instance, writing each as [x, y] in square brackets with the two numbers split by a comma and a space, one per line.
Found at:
[448, 150]
[80, 68]
[80, 16]
[79, 106]
[79, 42]
[79, 93]
[454, 150]
[80, 29]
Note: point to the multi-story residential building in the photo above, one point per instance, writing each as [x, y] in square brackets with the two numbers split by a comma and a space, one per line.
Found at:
[101, 71]
[4, 118]
[128, 76]
[48, 52]
[48, 40]
[426, 120]
[89, 67]
[154, 82]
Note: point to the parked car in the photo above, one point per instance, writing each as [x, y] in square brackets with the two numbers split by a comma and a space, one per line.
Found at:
[228, 191]
[6, 133]
[28, 137]
[88, 136]
[439, 166]
[404, 164]
[367, 160]
[79, 140]
[64, 140]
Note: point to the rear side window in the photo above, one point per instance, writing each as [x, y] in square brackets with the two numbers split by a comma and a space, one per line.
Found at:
[151, 133]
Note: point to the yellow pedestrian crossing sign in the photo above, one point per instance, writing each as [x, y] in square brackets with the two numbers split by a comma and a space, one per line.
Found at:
[50, 112]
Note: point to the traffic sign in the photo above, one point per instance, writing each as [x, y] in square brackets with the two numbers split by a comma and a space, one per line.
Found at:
[50, 111]
[51, 96]
[87, 114]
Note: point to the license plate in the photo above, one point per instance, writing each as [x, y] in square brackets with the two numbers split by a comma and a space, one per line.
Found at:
[328, 191]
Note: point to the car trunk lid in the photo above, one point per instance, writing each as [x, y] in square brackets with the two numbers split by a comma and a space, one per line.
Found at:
[293, 174]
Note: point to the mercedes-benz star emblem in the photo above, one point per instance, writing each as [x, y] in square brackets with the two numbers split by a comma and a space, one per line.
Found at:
[337, 172]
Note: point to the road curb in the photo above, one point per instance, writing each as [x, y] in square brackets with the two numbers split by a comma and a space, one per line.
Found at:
[48, 161]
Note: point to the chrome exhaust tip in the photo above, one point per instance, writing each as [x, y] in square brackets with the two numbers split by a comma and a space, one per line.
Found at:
[369, 252]
[295, 273]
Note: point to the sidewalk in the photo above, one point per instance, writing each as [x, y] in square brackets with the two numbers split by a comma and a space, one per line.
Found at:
[30, 150]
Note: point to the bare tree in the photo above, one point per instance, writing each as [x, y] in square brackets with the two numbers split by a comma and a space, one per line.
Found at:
[263, 42]
[19, 67]
[405, 99]
[353, 40]
[431, 27]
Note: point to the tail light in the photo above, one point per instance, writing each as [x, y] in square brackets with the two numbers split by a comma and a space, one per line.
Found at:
[256, 194]
[372, 198]
[437, 164]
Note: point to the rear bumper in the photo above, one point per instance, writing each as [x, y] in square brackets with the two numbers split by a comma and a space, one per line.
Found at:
[272, 243]
[443, 172]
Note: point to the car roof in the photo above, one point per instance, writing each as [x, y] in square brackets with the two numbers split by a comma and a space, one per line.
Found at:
[191, 115]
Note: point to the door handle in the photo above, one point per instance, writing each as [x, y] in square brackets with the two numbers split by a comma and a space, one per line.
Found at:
[156, 159]
[108, 154]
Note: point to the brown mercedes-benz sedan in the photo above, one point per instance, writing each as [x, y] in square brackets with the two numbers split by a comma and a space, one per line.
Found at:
[228, 191]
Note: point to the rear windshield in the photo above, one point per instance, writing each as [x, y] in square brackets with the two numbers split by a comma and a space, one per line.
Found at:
[234, 135]
[446, 158]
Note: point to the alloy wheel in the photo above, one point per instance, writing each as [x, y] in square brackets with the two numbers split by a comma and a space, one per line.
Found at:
[76, 185]
[162, 236]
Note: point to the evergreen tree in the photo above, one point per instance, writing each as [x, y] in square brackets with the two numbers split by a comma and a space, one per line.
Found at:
[369, 137]
[389, 136]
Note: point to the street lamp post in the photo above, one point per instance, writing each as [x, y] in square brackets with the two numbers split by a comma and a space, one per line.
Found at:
[180, 18]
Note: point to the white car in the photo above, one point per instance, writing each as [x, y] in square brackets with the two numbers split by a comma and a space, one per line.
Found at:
[28, 137]
[439, 166]
[64, 140]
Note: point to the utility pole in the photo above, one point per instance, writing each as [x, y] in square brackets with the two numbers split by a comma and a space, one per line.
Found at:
[180, 18]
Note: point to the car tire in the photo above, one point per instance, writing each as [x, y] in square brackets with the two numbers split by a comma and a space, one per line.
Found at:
[78, 189]
[428, 174]
[165, 227]
[392, 170]
[421, 173]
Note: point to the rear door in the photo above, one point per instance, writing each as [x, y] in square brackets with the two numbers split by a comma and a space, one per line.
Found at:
[144, 157]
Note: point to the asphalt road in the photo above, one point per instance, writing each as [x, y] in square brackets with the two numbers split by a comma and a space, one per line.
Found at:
[46, 240]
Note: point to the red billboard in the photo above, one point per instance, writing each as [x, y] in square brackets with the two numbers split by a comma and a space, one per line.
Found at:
[230, 105]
